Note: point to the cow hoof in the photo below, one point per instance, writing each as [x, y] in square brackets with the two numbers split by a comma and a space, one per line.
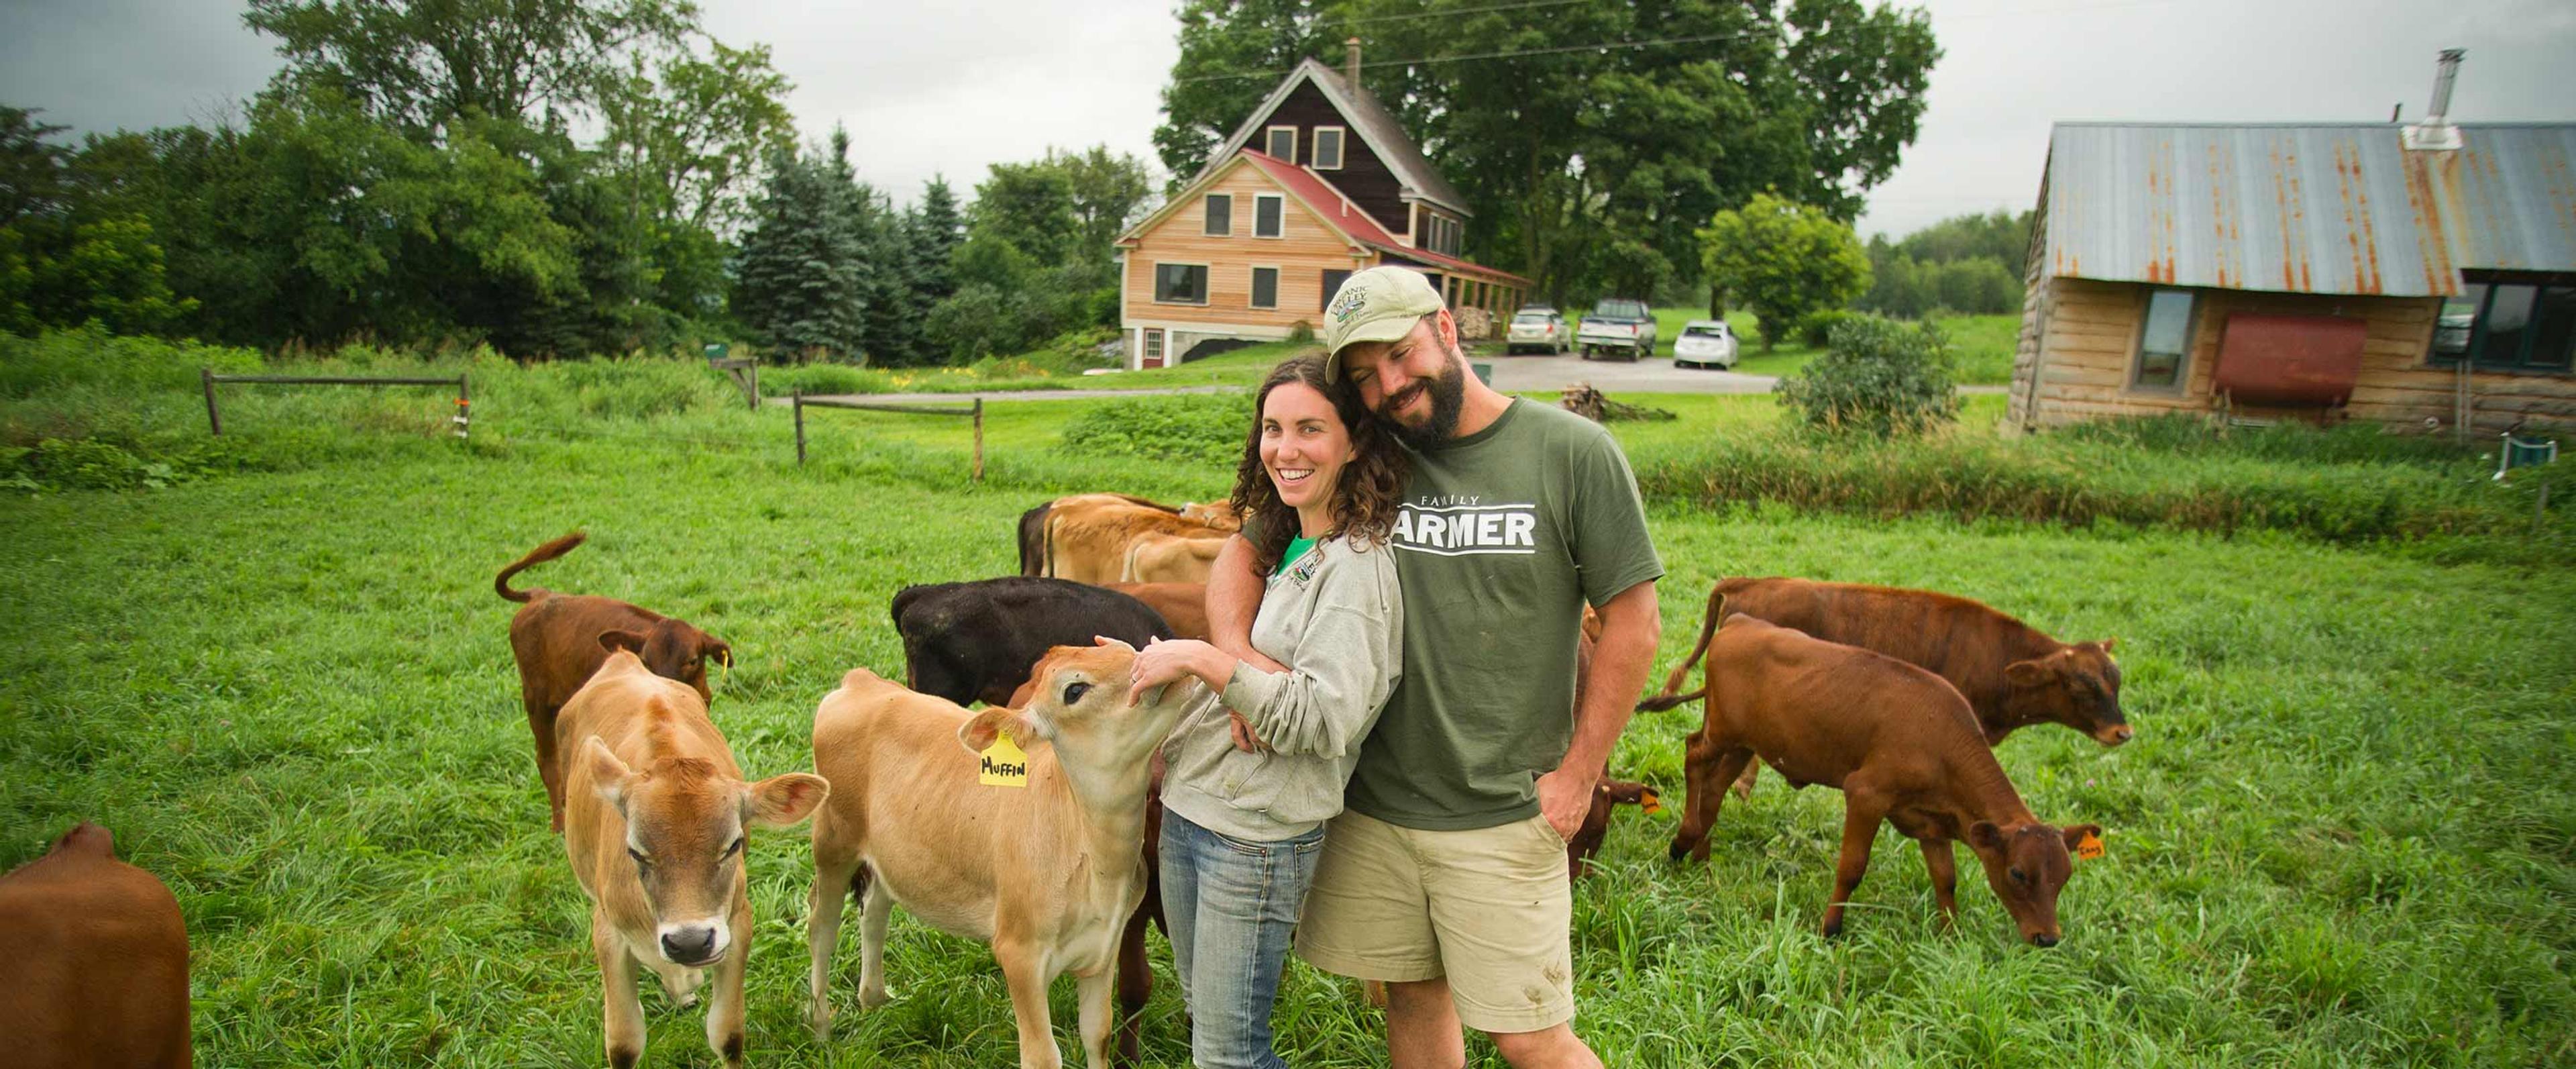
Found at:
[1675, 851]
[869, 1000]
[819, 1018]
[1833, 928]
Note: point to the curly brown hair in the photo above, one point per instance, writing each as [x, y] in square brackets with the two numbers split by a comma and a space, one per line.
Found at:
[1364, 498]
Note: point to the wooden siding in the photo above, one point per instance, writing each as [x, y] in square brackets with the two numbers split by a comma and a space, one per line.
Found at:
[1363, 177]
[1304, 251]
[2087, 336]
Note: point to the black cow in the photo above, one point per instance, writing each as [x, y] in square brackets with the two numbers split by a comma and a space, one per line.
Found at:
[978, 641]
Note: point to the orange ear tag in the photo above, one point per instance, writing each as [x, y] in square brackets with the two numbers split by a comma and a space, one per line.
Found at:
[1003, 764]
[2090, 847]
[1650, 804]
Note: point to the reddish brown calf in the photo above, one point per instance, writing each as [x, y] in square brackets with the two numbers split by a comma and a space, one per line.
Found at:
[556, 641]
[1607, 795]
[1182, 605]
[1901, 745]
[96, 971]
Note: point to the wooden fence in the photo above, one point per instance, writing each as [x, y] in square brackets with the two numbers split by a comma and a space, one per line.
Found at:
[974, 412]
[215, 420]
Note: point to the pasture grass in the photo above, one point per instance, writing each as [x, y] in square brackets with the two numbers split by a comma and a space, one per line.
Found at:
[2344, 835]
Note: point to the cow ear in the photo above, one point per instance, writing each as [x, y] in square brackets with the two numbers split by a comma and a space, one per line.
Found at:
[716, 650]
[630, 641]
[2077, 833]
[1984, 835]
[779, 801]
[978, 733]
[608, 775]
[2108, 643]
[2026, 673]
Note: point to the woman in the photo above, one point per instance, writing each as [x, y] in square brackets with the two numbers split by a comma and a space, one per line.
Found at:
[1318, 490]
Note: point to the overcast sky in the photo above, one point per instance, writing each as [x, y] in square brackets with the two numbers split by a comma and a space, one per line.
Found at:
[949, 88]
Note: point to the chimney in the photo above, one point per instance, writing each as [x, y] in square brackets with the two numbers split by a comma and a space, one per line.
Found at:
[1351, 64]
[2436, 133]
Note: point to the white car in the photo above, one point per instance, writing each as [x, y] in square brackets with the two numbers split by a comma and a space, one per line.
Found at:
[1539, 329]
[1705, 343]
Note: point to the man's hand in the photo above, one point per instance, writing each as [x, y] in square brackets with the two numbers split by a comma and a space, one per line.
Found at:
[1565, 798]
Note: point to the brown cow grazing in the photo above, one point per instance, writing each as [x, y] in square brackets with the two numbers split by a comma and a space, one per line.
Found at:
[656, 813]
[1088, 537]
[2012, 674]
[1182, 605]
[556, 641]
[1049, 872]
[1606, 795]
[1901, 745]
[96, 970]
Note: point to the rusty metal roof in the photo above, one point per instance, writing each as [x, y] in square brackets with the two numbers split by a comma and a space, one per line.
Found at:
[2306, 208]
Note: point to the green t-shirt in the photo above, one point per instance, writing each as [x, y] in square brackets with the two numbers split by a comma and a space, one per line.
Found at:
[1502, 538]
[1297, 548]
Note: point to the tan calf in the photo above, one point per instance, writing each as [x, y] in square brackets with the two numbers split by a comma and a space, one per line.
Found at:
[96, 967]
[1171, 558]
[655, 812]
[1049, 873]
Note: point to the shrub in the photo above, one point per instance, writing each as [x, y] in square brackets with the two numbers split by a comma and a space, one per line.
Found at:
[1301, 333]
[1877, 377]
[1200, 428]
[1816, 329]
[88, 356]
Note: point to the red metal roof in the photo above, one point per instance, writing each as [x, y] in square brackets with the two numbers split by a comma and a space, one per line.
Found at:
[1337, 211]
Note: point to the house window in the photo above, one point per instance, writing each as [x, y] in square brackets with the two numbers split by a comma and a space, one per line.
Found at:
[1283, 143]
[1265, 287]
[1328, 148]
[2164, 344]
[1220, 215]
[1266, 208]
[1332, 284]
[1180, 283]
[2502, 325]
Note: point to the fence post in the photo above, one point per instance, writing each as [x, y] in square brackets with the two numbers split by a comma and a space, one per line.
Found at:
[213, 421]
[979, 439]
[797, 400]
[755, 386]
[464, 407]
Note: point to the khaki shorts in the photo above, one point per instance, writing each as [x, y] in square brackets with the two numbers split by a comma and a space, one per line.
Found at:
[1488, 908]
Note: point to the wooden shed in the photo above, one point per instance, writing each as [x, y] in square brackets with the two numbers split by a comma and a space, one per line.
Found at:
[2416, 275]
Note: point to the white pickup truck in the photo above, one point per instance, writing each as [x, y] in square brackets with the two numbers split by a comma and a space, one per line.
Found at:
[1617, 325]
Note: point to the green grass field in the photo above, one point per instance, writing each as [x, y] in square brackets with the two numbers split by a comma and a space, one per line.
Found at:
[1982, 343]
[2344, 835]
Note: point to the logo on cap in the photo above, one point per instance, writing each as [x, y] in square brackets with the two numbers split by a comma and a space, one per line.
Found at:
[1349, 304]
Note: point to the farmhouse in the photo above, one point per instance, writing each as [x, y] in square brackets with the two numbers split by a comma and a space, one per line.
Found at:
[1318, 182]
[2421, 274]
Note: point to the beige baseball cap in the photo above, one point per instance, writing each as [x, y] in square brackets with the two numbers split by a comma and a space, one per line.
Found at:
[1379, 304]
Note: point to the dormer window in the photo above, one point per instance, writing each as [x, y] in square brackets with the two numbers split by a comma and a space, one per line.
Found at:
[1328, 148]
[1283, 143]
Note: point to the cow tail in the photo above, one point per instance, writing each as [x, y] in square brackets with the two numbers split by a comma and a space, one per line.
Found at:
[1033, 539]
[1681, 672]
[539, 555]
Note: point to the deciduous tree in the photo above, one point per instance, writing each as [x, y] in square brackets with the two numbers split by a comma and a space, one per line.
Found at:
[1783, 259]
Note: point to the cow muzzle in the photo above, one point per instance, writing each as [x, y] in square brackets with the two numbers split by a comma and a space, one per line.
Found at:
[2113, 734]
[694, 945]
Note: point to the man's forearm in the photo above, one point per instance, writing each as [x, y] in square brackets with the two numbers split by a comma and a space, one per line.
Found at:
[1631, 625]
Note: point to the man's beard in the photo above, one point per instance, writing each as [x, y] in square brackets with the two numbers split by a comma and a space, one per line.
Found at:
[1448, 394]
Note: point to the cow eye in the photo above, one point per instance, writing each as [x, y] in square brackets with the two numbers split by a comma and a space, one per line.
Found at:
[2018, 876]
[641, 861]
[734, 848]
[1073, 692]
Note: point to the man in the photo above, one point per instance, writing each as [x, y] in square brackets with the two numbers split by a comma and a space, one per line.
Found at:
[1445, 877]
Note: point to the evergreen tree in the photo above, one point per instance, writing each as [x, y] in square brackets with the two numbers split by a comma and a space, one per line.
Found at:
[799, 282]
[936, 228]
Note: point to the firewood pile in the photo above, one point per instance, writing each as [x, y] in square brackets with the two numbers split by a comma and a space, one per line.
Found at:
[1592, 404]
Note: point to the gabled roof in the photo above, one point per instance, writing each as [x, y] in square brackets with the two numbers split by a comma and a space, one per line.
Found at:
[1352, 223]
[1376, 127]
[2306, 208]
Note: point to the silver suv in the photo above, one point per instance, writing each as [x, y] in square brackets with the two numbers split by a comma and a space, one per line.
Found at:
[1619, 325]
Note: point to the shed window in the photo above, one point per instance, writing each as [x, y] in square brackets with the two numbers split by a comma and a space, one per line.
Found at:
[1328, 148]
[2504, 325]
[1220, 214]
[1180, 283]
[1265, 287]
[1265, 215]
[1332, 285]
[1283, 143]
[2164, 344]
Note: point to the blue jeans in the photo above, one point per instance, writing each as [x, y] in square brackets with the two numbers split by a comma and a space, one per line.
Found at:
[1232, 906]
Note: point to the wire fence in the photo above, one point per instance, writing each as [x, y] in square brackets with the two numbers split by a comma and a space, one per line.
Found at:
[463, 420]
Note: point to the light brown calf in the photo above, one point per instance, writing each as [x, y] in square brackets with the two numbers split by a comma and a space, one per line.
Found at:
[96, 967]
[1171, 558]
[1901, 745]
[1049, 873]
[1088, 537]
[655, 813]
[1182, 605]
[556, 642]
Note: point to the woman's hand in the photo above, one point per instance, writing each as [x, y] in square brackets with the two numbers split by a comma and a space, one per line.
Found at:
[1165, 661]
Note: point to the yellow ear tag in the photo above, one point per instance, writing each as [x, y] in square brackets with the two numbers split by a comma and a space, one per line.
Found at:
[2090, 847]
[1651, 804]
[1003, 763]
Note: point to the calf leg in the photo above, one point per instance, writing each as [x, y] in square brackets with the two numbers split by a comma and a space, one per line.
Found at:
[823, 904]
[1860, 826]
[1707, 769]
[724, 1011]
[876, 906]
[1135, 983]
[1944, 867]
[622, 1014]
[1094, 991]
[1744, 783]
[541, 723]
[1025, 970]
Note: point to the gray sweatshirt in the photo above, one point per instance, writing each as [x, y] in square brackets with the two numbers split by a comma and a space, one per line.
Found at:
[1335, 617]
